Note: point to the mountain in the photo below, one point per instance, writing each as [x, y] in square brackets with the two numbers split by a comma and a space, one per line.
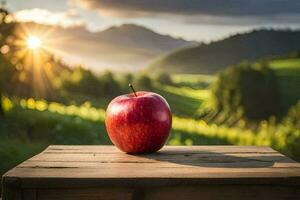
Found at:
[125, 47]
[215, 56]
[139, 37]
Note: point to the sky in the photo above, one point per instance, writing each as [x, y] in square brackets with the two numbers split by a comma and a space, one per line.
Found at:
[201, 20]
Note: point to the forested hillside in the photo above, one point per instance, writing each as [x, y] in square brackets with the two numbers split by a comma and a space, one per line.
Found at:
[216, 56]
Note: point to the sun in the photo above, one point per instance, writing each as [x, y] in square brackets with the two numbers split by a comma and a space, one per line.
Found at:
[33, 42]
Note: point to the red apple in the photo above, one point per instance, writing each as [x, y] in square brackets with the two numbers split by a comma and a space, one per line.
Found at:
[138, 122]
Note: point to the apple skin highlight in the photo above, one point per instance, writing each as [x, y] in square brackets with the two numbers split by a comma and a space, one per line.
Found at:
[138, 124]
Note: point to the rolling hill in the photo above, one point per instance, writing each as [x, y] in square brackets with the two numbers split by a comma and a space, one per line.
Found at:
[125, 47]
[215, 56]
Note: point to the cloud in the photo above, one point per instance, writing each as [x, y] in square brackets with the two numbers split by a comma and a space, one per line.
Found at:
[43, 16]
[205, 11]
[192, 7]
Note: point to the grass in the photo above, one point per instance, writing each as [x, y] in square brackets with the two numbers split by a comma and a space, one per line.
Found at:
[15, 151]
[200, 94]
[61, 124]
[81, 99]
[285, 63]
[191, 78]
[195, 81]
[181, 103]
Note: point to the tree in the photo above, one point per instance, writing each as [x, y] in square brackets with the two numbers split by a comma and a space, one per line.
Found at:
[6, 28]
[143, 82]
[1, 108]
[82, 81]
[164, 78]
[110, 86]
[128, 79]
[249, 88]
[3, 36]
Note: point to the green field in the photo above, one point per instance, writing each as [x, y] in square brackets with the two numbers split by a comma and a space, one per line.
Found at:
[193, 80]
[184, 101]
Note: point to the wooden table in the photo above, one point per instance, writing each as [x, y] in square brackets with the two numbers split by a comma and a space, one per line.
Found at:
[196, 172]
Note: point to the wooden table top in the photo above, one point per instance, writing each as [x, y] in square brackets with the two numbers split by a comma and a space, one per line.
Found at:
[95, 165]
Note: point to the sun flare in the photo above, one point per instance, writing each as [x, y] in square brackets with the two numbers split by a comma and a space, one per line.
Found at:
[33, 42]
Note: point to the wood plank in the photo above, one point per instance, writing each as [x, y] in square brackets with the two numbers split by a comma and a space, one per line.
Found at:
[95, 164]
[145, 171]
[225, 192]
[86, 167]
[171, 162]
[261, 160]
[11, 188]
[170, 149]
[248, 192]
[74, 184]
[12, 194]
[29, 194]
[105, 193]
[260, 156]
[195, 161]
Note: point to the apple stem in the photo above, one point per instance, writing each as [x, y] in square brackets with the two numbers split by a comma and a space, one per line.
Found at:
[130, 85]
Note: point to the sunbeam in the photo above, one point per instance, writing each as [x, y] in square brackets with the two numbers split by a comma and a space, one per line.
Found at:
[34, 56]
[33, 42]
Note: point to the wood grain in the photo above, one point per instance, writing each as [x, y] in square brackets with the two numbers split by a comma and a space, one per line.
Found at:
[29, 194]
[175, 172]
[107, 193]
[224, 192]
